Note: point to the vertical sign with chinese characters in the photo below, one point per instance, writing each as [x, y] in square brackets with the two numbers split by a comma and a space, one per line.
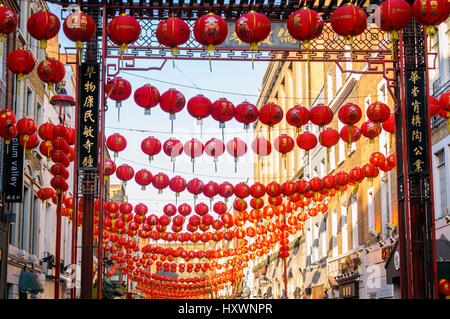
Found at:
[13, 172]
[88, 109]
[416, 123]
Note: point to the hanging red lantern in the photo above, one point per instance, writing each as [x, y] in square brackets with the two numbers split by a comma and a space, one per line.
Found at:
[246, 113]
[199, 107]
[261, 146]
[43, 26]
[430, 13]
[29, 141]
[341, 178]
[177, 184]
[226, 190]
[444, 287]
[328, 138]
[306, 141]
[151, 146]
[305, 25]
[172, 101]
[284, 144]
[160, 181]
[378, 112]
[273, 189]
[172, 33]
[146, 96]
[45, 149]
[193, 148]
[170, 210]
[20, 62]
[210, 30]
[270, 114]
[288, 188]
[143, 177]
[222, 110]
[123, 30]
[201, 209]
[370, 130]
[389, 124]
[349, 114]
[239, 205]
[376, 158]
[257, 203]
[26, 127]
[195, 187]
[236, 148]
[173, 148]
[109, 168]
[433, 106]
[316, 184]
[257, 190]
[348, 21]
[211, 189]
[7, 117]
[116, 143]
[350, 134]
[321, 115]
[356, 174]
[124, 172]
[444, 101]
[214, 148]
[252, 28]
[242, 190]
[370, 171]
[298, 116]
[59, 184]
[184, 209]
[392, 16]
[79, 27]
[118, 90]
[8, 24]
[220, 208]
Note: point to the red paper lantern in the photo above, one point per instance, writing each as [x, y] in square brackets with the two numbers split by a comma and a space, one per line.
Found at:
[270, 114]
[433, 106]
[246, 113]
[273, 189]
[116, 143]
[321, 115]
[370, 130]
[170, 210]
[378, 112]
[118, 90]
[195, 187]
[222, 110]
[257, 190]
[252, 28]
[143, 177]
[172, 33]
[193, 148]
[109, 168]
[226, 190]
[349, 114]
[201, 209]
[239, 204]
[173, 148]
[146, 96]
[242, 190]
[151, 146]
[79, 27]
[123, 30]
[430, 13]
[220, 208]
[124, 172]
[444, 287]
[305, 25]
[389, 124]
[184, 209]
[298, 116]
[284, 144]
[59, 184]
[29, 141]
[214, 148]
[7, 117]
[329, 137]
[43, 26]
[392, 16]
[444, 112]
[211, 189]
[177, 184]
[261, 146]
[370, 171]
[306, 141]
[45, 147]
[377, 158]
[236, 148]
[199, 107]
[160, 181]
[172, 101]
[288, 188]
[8, 24]
[348, 21]
[341, 178]
[350, 134]
[20, 62]
[210, 30]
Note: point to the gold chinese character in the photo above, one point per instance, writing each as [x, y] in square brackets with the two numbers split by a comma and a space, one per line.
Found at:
[418, 150]
[88, 115]
[88, 101]
[88, 161]
[416, 120]
[88, 145]
[90, 71]
[87, 132]
[89, 87]
[416, 135]
[414, 77]
[415, 91]
[416, 105]
[418, 164]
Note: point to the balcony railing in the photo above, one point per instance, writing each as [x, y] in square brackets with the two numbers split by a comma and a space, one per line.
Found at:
[438, 89]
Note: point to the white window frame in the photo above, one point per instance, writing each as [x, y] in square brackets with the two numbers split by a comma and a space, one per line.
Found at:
[334, 233]
[329, 86]
[355, 235]
[344, 229]
[370, 209]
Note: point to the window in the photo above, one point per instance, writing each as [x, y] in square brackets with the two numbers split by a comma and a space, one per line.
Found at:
[329, 87]
[441, 168]
[24, 221]
[370, 210]
[382, 93]
[13, 227]
[308, 240]
[323, 238]
[315, 172]
[344, 230]
[29, 103]
[355, 239]
[39, 114]
[334, 229]
[315, 242]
